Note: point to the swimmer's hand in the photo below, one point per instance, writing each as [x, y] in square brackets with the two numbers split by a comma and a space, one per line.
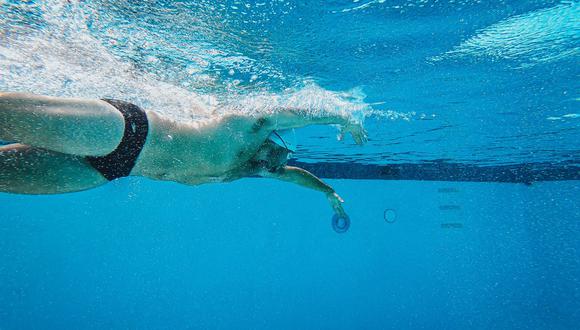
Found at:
[359, 134]
[336, 203]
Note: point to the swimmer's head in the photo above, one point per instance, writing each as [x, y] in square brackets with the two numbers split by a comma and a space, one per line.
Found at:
[285, 139]
[271, 156]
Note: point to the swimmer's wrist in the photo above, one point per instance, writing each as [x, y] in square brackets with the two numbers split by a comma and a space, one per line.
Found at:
[334, 197]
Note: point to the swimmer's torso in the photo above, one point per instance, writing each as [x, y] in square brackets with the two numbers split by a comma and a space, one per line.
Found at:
[195, 153]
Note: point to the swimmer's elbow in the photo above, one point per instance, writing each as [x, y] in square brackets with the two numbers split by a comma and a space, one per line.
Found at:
[268, 173]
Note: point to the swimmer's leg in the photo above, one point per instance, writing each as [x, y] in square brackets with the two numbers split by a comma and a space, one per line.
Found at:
[29, 170]
[72, 126]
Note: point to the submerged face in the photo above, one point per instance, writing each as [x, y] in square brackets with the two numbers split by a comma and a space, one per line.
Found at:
[271, 156]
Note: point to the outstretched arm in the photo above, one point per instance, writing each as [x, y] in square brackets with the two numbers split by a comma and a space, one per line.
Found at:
[306, 179]
[295, 118]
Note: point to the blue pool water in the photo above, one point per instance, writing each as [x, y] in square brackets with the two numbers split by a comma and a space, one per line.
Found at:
[464, 203]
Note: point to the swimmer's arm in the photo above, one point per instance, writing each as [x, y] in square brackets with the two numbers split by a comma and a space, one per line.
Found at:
[295, 118]
[306, 179]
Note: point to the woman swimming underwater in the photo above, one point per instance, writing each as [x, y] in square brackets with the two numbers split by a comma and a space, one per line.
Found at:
[66, 145]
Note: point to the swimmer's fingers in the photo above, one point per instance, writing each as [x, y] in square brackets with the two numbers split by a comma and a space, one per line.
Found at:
[336, 203]
[339, 211]
[365, 136]
[338, 197]
[357, 131]
[360, 136]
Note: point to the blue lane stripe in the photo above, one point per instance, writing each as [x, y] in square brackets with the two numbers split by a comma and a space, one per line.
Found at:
[442, 171]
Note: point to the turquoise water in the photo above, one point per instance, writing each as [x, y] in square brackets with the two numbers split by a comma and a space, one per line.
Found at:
[459, 97]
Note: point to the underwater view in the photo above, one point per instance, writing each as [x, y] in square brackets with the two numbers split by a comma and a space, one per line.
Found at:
[289, 164]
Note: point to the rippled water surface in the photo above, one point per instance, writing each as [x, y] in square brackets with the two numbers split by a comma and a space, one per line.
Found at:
[484, 82]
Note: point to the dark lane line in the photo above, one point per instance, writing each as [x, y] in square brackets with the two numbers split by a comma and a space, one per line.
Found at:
[444, 171]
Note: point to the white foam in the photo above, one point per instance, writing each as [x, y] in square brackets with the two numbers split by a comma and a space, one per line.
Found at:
[571, 115]
[310, 99]
[566, 116]
[541, 36]
[64, 59]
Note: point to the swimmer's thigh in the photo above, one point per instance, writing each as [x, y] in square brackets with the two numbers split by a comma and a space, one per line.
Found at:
[73, 126]
[30, 170]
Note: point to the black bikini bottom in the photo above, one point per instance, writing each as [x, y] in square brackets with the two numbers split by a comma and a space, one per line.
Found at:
[121, 161]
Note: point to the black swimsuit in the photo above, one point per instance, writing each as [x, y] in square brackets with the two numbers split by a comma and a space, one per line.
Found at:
[121, 161]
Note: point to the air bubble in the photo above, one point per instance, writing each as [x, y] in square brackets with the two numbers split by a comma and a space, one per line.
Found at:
[390, 215]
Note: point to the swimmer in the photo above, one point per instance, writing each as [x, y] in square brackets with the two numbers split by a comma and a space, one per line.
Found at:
[65, 145]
